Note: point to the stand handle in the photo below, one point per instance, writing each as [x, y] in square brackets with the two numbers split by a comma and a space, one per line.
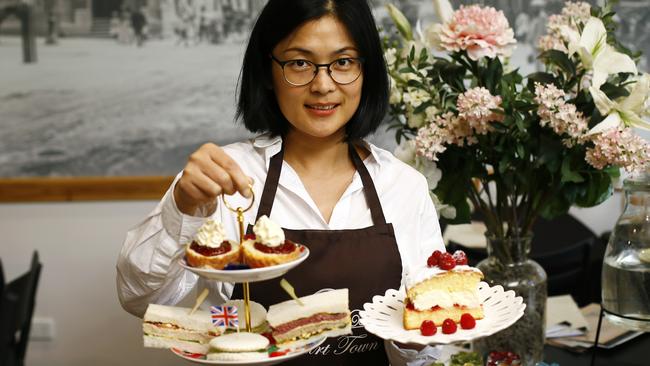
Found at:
[240, 220]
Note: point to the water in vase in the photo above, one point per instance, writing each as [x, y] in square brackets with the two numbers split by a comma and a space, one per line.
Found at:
[626, 288]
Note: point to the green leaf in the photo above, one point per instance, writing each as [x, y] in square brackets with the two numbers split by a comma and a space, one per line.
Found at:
[568, 174]
[598, 189]
[555, 207]
[540, 77]
[493, 74]
[559, 59]
[614, 91]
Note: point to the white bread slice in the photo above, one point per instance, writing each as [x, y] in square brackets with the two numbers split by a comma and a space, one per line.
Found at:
[178, 333]
[163, 342]
[332, 302]
[199, 321]
[258, 313]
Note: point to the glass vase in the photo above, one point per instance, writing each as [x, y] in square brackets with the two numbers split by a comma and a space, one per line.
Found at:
[508, 265]
[626, 266]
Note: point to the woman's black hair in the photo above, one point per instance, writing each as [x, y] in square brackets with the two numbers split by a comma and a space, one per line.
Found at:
[257, 105]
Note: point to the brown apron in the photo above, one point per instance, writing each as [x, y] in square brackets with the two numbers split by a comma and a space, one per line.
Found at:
[366, 261]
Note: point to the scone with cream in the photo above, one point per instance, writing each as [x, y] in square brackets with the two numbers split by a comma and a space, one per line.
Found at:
[442, 290]
[210, 248]
[268, 246]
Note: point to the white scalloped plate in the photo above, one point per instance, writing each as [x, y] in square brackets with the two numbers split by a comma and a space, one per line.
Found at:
[291, 352]
[383, 317]
[247, 275]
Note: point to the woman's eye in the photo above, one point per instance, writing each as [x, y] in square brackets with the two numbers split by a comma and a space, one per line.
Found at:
[343, 63]
[299, 64]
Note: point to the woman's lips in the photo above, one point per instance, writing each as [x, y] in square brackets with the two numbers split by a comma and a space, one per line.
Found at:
[322, 110]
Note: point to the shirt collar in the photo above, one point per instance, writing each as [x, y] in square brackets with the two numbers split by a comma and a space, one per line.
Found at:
[271, 145]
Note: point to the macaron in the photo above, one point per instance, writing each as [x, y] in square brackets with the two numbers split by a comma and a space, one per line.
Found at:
[238, 347]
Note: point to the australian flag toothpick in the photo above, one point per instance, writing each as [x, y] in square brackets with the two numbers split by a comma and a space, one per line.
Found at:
[225, 316]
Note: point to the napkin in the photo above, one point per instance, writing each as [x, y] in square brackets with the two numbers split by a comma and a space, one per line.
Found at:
[564, 318]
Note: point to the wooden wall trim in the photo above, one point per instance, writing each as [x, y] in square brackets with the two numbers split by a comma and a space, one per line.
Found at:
[83, 188]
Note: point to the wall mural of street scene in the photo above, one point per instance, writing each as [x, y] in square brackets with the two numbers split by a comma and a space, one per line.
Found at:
[131, 87]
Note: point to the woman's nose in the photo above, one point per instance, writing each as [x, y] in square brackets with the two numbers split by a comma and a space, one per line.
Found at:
[323, 82]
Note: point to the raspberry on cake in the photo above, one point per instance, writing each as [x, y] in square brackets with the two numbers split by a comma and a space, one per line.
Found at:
[210, 248]
[436, 294]
[268, 247]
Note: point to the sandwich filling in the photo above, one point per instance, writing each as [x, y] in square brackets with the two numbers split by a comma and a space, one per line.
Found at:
[304, 328]
[175, 332]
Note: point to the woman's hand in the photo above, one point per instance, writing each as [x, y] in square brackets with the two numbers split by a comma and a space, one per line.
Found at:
[208, 173]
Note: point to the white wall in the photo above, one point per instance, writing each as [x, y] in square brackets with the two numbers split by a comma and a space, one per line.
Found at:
[78, 244]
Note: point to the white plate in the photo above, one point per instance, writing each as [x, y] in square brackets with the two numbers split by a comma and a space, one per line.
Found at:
[383, 317]
[247, 275]
[292, 353]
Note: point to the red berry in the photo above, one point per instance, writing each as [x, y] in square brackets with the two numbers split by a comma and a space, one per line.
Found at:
[428, 328]
[432, 261]
[446, 262]
[449, 326]
[436, 254]
[467, 321]
[249, 237]
[497, 356]
[460, 257]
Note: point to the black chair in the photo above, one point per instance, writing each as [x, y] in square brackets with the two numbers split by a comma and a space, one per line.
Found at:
[568, 269]
[16, 310]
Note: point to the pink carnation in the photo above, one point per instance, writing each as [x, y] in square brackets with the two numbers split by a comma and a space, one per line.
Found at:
[475, 106]
[619, 147]
[481, 31]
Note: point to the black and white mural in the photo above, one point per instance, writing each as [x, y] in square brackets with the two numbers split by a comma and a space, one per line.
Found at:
[131, 87]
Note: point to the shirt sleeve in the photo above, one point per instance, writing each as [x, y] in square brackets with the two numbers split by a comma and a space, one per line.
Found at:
[148, 267]
[424, 226]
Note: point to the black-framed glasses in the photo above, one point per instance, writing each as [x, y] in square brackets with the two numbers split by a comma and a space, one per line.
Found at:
[301, 72]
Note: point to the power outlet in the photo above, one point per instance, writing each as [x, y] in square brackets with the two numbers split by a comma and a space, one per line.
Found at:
[42, 329]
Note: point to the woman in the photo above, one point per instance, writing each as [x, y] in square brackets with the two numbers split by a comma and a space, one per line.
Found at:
[314, 82]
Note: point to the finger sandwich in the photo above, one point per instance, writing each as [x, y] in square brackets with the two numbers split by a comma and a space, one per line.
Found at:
[174, 327]
[325, 314]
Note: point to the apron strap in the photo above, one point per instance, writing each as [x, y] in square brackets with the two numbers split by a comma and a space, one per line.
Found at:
[372, 198]
[271, 184]
[273, 177]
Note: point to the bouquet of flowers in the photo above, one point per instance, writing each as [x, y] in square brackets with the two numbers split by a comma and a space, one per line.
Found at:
[515, 147]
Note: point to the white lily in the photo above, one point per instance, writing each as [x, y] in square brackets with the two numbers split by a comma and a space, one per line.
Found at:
[595, 53]
[402, 24]
[444, 10]
[627, 110]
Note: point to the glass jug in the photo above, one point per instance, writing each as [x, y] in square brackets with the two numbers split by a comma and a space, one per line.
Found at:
[626, 266]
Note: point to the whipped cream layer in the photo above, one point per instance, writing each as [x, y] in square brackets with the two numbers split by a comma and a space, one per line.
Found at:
[268, 232]
[445, 299]
[211, 234]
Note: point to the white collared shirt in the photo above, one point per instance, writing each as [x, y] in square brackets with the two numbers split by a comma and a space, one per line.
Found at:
[148, 269]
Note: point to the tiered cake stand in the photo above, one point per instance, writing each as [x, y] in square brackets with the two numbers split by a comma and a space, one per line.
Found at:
[245, 276]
